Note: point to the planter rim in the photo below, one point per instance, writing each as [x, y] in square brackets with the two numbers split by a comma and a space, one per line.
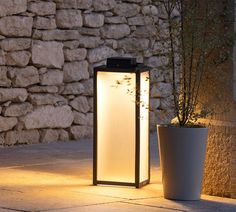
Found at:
[177, 127]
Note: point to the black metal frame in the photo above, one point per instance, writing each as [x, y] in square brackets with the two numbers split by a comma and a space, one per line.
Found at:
[137, 70]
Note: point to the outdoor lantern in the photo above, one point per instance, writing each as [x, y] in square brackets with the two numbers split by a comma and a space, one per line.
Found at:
[121, 123]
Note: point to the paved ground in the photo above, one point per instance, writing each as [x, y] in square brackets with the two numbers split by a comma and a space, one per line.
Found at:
[58, 177]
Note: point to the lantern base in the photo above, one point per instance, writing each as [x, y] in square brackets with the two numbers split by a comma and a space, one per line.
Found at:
[137, 185]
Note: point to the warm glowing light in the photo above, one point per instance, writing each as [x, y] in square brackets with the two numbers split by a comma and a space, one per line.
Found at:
[144, 126]
[115, 127]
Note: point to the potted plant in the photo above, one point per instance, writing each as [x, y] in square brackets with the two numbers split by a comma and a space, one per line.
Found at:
[195, 38]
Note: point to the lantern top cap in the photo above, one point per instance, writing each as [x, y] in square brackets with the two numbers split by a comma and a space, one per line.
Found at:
[122, 64]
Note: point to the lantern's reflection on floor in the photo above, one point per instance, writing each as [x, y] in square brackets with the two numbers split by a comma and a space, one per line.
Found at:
[58, 177]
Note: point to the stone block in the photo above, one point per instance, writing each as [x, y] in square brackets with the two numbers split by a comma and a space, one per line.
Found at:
[157, 61]
[75, 54]
[115, 31]
[49, 117]
[2, 57]
[49, 135]
[16, 26]
[56, 34]
[115, 20]
[47, 99]
[83, 119]
[4, 81]
[80, 104]
[11, 7]
[18, 58]
[44, 23]
[88, 87]
[69, 18]
[126, 9]
[15, 110]
[7, 123]
[42, 8]
[76, 71]
[93, 20]
[52, 77]
[23, 77]
[49, 54]
[90, 41]
[63, 135]
[13, 94]
[79, 132]
[133, 44]
[103, 5]
[15, 44]
[22, 137]
[43, 89]
[73, 88]
[100, 53]
[161, 89]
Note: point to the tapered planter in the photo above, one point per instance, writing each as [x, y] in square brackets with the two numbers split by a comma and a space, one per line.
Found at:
[182, 156]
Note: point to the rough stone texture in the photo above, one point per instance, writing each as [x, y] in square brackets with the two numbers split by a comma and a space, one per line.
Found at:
[83, 119]
[49, 48]
[75, 71]
[157, 61]
[133, 44]
[15, 44]
[115, 31]
[7, 123]
[63, 135]
[56, 34]
[84, 4]
[13, 94]
[73, 88]
[18, 58]
[15, 110]
[49, 54]
[42, 8]
[127, 10]
[79, 132]
[47, 99]
[100, 53]
[16, 26]
[103, 5]
[90, 41]
[11, 7]
[52, 77]
[2, 57]
[4, 81]
[44, 23]
[43, 89]
[49, 135]
[80, 104]
[49, 117]
[115, 20]
[75, 54]
[69, 18]
[161, 90]
[23, 77]
[93, 20]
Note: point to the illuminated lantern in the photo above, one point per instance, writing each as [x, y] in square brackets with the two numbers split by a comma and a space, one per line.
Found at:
[121, 123]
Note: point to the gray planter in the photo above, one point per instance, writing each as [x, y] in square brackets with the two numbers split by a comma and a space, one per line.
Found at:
[182, 155]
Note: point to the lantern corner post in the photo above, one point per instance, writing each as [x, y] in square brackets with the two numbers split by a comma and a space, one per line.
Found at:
[137, 130]
[95, 129]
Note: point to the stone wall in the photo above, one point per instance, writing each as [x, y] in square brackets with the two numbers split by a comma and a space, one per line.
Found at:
[48, 49]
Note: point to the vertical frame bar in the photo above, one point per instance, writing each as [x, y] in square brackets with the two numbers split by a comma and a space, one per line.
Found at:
[95, 129]
[137, 130]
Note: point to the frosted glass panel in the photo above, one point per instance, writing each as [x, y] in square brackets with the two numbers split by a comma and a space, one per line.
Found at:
[115, 127]
[144, 126]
